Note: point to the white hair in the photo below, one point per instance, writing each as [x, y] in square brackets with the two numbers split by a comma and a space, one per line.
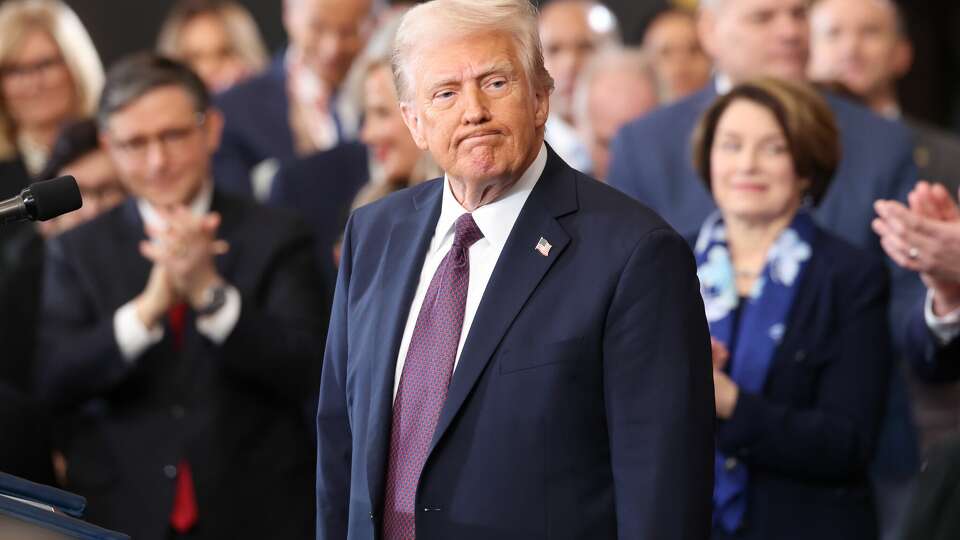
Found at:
[438, 19]
[629, 60]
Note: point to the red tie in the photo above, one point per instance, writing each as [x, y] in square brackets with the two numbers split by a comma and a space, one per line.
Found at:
[184, 514]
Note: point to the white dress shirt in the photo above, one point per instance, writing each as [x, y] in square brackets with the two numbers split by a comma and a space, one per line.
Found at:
[495, 221]
[944, 328]
[567, 143]
[133, 337]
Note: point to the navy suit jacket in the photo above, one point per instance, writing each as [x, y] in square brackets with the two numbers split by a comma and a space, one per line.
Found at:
[234, 410]
[320, 188]
[256, 128]
[582, 402]
[809, 436]
[931, 361]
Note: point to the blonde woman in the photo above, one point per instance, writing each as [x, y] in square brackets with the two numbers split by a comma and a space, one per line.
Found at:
[219, 40]
[50, 73]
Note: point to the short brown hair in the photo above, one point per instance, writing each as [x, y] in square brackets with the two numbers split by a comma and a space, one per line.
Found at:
[802, 114]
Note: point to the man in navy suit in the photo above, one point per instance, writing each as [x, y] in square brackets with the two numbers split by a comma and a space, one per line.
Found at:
[516, 350]
[181, 333]
[296, 108]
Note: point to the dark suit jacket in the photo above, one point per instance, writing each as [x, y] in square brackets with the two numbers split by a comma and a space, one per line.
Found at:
[581, 405]
[320, 188]
[256, 128]
[13, 177]
[935, 507]
[652, 161]
[808, 439]
[931, 361]
[234, 410]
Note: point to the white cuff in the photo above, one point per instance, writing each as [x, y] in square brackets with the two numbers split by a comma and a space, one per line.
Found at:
[944, 328]
[133, 338]
[217, 326]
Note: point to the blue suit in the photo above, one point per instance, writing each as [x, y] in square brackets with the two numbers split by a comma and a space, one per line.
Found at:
[256, 128]
[321, 187]
[582, 403]
[652, 160]
[930, 360]
[809, 436]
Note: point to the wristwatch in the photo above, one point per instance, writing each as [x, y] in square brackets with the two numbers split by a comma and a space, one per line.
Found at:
[214, 299]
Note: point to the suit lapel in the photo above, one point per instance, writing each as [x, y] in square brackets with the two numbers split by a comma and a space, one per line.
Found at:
[402, 263]
[519, 270]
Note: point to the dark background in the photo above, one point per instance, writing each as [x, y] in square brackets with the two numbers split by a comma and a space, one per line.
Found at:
[931, 91]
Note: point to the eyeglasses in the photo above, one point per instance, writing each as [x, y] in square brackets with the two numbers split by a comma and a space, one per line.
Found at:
[23, 71]
[172, 139]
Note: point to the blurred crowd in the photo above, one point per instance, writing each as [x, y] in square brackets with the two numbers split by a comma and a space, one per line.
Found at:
[163, 345]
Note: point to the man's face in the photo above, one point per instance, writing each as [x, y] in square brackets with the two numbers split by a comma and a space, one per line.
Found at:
[474, 109]
[753, 38]
[327, 34]
[615, 99]
[674, 48]
[161, 146]
[856, 42]
[568, 41]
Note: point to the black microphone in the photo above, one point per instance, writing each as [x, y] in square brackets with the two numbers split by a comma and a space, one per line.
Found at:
[41, 201]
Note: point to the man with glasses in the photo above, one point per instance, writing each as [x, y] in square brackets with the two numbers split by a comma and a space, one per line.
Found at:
[181, 333]
[297, 107]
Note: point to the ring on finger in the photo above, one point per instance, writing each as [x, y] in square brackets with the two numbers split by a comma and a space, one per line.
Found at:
[913, 253]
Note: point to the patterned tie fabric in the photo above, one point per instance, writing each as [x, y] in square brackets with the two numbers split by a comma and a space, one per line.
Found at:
[184, 514]
[423, 384]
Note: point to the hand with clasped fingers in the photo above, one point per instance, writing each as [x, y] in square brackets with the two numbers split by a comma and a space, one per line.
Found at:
[925, 238]
[183, 262]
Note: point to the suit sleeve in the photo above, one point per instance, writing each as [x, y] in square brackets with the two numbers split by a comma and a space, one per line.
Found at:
[659, 394]
[930, 360]
[334, 439]
[78, 353]
[232, 163]
[278, 339]
[834, 437]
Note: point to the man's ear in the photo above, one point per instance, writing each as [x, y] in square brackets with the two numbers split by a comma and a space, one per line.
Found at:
[412, 120]
[212, 129]
[902, 58]
[542, 112]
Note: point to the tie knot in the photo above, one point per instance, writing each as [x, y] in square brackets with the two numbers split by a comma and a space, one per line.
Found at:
[467, 232]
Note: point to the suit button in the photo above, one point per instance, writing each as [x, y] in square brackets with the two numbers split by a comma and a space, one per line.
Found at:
[170, 471]
[800, 356]
[730, 463]
[371, 516]
[178, 411]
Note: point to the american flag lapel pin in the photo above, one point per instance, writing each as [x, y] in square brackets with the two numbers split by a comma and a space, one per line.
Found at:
[543, 247]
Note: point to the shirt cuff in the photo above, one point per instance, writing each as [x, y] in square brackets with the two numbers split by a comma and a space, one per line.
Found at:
[133, 337]
[944, 328]
[218, 326]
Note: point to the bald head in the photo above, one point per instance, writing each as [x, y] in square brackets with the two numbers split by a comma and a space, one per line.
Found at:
[571, 31]
[326, 35]
[861, 44]
[755, 38]
[617, 86]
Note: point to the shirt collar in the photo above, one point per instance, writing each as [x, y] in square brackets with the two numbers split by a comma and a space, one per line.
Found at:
[34, 155]
[495, 219]
[723, 83]
[198, 206]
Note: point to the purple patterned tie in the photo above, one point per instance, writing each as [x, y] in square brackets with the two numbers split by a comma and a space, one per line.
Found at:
[424, 381]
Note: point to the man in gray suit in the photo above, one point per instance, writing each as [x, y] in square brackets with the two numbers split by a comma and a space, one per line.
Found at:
[864, 45]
